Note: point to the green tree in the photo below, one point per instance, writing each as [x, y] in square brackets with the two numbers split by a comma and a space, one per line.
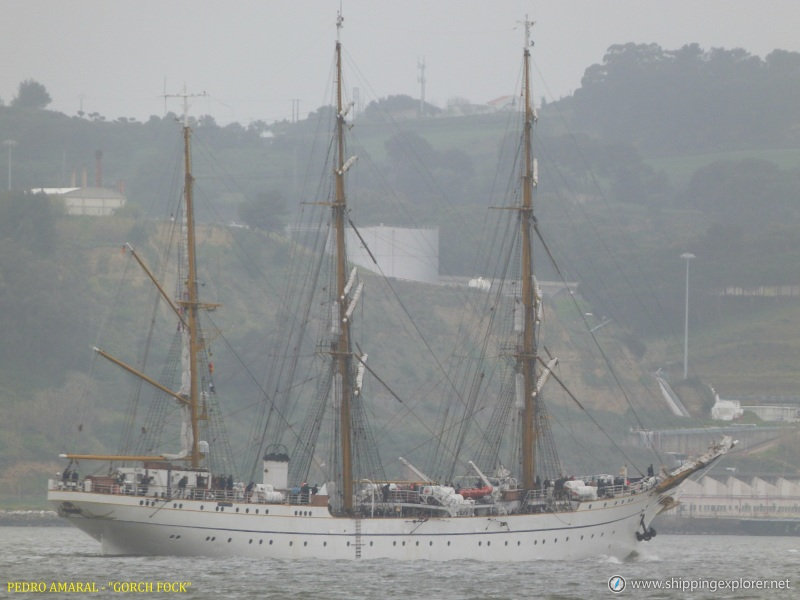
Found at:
[268, 211]
[31, 94]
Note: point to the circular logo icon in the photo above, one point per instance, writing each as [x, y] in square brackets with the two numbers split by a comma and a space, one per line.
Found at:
[616, 583]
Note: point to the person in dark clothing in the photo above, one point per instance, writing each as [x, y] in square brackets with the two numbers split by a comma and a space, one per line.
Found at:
[182, 486]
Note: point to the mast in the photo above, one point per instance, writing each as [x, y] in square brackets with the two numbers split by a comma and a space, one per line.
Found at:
[341, 351]
[191, 296]
[190, 301]
[526, 358]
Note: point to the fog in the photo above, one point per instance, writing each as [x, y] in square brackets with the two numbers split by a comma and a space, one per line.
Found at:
[259, 60]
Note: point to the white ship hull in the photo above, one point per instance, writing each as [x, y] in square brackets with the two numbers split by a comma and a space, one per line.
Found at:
[180, 527]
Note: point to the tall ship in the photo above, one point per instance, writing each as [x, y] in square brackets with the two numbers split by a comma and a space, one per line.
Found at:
[503, 499]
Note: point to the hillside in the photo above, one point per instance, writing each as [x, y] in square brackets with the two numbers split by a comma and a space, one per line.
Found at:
[627, 184]
[71, 409]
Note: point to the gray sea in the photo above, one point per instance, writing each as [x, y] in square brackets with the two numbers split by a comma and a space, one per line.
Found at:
[68, 563]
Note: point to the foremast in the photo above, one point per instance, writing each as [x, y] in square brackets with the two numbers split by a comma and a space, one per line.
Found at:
[186, 308]
[527, 354]
[191, 302]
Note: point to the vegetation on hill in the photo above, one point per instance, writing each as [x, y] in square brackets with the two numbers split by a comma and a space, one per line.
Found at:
[658, 153]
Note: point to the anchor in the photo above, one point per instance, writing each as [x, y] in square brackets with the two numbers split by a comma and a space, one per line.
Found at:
[646, 534]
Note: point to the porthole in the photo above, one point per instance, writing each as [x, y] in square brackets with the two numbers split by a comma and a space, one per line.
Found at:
[535, 542]
[370, 544]
[291, 543]
[260, 542]
[417, 543]
[229, 540]
[479, 543]
[394, 543]
[448, 543]
[429, 543]
[306, 544]
[250, 542]
[518, 542]
[270, 542]
[324, 544]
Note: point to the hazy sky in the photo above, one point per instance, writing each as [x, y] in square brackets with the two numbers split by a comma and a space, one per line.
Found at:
[254, 56]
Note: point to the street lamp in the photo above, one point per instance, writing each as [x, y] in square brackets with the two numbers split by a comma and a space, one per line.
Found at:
[10, 145]
[686, 256]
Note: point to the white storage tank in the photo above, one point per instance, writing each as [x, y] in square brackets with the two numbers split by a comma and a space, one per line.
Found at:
[402, 252]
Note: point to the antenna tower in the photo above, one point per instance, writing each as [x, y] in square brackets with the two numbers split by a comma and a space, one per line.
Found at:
[421, 80]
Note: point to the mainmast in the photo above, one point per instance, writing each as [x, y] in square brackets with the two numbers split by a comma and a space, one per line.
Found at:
[527, 355]
[342, 351]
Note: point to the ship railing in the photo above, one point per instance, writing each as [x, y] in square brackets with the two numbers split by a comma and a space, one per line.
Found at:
[614, 486]
[403, 496]
[538, 497]
[546, 500]
[397, 496]
[112, 486]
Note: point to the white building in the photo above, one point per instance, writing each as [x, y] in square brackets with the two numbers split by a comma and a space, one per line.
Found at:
[736, 498]
[401, 252]
[726, 410]
[96, 201]
[775, 412]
